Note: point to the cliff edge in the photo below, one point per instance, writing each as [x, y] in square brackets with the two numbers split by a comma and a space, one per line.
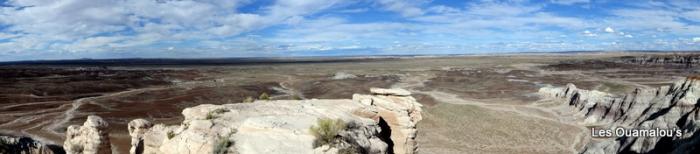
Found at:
[669, 109]
[381, 122]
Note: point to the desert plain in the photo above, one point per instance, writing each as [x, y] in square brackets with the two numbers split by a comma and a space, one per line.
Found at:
[471, 103]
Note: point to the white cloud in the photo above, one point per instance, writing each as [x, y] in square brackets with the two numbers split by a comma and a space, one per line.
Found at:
[406, 8]
[609, 30]
[653, 18]
[223, 26]
[501, 9]
[589, 33]
[569, 2]
[80, 25]
[693, 15]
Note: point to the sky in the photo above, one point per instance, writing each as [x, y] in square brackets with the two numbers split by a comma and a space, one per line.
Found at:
[75, 29]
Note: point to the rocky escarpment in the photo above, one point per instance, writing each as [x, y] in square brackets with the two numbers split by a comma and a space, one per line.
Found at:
[683, 59]
[671, 109]
[90, 138]
[382, 122]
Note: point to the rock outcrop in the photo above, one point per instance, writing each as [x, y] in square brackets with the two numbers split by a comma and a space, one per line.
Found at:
[90, 138]
[681, 59]
[137, 129]
[670, 109]
[383, 122]
[399, 111]
[26, 145]
[343, 75]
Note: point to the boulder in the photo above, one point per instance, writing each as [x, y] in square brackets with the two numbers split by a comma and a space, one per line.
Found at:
[90, 138]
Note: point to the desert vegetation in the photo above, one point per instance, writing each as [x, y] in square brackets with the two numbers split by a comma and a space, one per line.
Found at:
[326, 131]
[223, 143]
[213, 114]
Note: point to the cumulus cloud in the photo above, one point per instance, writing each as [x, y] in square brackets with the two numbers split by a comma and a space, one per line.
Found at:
[248, 27]
[589, 33]
[609, 30]
[60, 23]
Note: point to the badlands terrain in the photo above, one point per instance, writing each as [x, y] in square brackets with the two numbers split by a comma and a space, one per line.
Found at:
[521, 103]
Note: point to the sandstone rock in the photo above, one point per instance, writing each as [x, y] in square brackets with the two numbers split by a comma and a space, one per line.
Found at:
[672, 107]
[282, 126]
[400, 112]
[91, 138]
[137, 129]
[26, 145]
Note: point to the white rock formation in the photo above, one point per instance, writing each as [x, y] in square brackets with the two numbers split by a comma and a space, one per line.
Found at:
[137, 129]
[282, 126]
[400, 111]
[91, 138]
[343, 75]
[672, 107]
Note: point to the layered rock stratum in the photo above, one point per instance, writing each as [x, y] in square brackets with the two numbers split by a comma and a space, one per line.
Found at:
[673, 108]
[681, 59]
[382, 122]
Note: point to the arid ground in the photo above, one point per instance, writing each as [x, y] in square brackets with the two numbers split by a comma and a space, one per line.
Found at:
[472, 104]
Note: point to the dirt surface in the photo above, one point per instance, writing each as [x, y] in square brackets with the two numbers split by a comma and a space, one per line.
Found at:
[472, 104]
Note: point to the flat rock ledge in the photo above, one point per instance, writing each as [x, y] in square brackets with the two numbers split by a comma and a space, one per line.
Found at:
[381, 122]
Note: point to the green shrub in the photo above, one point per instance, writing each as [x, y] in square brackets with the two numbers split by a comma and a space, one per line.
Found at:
[212, 114]
[249, 100]
[264, 96]
[348, 150]
[326, 131]
[296, 97]
[221, 146]
[220, 111]
[171, 134]
[223, 143]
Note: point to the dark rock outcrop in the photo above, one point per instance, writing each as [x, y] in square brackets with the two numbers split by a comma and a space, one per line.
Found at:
[681, 59]
[26, 145]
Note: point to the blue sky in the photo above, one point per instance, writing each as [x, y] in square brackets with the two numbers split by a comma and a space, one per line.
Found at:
[70, 29]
